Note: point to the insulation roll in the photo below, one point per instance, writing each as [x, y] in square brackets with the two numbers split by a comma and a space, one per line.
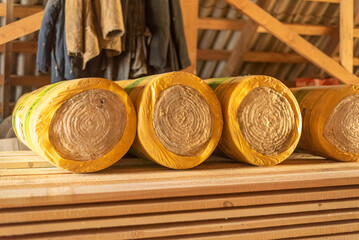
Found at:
[330, 120]
[82, 125]
[261, 119]
[179, 119]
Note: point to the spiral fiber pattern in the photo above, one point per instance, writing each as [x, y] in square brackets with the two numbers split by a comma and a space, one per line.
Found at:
[266, 120]
[182, 120]
[341, 129]
[88, 125]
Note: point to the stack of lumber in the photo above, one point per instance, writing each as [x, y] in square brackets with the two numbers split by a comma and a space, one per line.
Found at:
[302, 198]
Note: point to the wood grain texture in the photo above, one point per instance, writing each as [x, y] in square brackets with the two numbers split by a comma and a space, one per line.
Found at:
[239, 25]
[198, 221]
[293, 40]
[52, 186]
[304, 196]
[190, 16]
[346, 34]
[21, 11]
[315, 196]
[21, 27]
[6, 84]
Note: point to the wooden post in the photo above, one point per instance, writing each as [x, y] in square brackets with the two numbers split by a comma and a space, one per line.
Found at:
[346, 34]
[293, 40]
[190, 21]
[7, 64]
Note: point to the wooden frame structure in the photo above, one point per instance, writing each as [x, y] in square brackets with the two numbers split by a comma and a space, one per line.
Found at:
[287, 33]
[260, 22]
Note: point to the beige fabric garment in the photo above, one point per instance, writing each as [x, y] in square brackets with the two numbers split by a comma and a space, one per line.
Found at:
[90, 28]
[111, 27]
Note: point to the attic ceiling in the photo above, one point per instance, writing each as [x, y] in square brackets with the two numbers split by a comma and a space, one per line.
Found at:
[287, 11]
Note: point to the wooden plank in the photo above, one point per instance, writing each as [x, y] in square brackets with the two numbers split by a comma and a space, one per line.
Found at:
[21, 11]
[340, 236]
[22, 47]
[20, 28]
[63, 212]
[346, 34]
[306, 29]
[318, 212]
[28, 80]
[211, 54]
[272, 57]
[238, 25]
[221, 24]
[311, 230]
[6, 83]
[190, 16]
[174, 187]
[257, 228]
[325, 1]
[293, 40]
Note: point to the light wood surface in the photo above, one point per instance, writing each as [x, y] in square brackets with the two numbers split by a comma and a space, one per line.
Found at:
[6, 83]
[346, 34]
[305, 196]
[21, 11]
[21, 27]
[190, 16]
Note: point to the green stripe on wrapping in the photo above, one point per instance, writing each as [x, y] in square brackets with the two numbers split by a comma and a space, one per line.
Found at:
[29, 111]
[15, 113]
[300, 94]
[216, 82]
[133, 84]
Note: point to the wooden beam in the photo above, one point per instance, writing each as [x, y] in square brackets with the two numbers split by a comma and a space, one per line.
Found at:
[7, 64]
[22, 47]
[306, 29]
[190, 17]
[21, 11]
[221, 24]
[238, 25]
[269, 57]
[273, 57]
[293, 40]
[20, 28]
[346, 34]
[28, 80]
[326, 1]
[211, 54]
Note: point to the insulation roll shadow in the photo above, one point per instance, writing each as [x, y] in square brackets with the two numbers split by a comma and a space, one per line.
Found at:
[179, 119]
[330, 120]
[261, 119]
[82, 125]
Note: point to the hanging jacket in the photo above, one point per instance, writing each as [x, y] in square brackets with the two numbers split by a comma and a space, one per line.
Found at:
[167, 49]
[52, 49]
[91, 26]
[132, 62]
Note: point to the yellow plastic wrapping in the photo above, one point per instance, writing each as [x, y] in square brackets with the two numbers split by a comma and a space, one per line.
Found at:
[317, 105]
[34, 112]
[144, 93]
[231, 92]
